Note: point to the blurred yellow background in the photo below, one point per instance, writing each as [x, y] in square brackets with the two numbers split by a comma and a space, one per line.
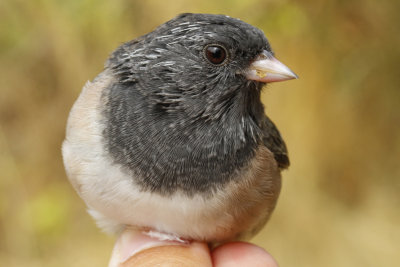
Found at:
[340, 203]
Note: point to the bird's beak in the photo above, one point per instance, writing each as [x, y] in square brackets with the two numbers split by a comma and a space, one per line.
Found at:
[266, 68]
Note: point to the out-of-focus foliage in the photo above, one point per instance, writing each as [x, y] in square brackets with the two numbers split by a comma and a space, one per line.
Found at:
[341, 120]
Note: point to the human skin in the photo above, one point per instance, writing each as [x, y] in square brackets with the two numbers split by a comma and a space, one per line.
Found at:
[136, 249]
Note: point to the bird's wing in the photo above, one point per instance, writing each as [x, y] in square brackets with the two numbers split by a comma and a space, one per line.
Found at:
[273, 141]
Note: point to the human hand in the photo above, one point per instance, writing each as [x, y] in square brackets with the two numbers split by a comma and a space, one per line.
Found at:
[136, 249]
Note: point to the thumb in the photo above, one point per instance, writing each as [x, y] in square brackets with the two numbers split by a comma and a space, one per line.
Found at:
[136, 249]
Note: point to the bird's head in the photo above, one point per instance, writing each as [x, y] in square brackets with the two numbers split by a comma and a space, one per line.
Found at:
[198, 59]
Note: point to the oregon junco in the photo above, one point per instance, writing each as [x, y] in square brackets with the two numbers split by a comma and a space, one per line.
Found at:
[171, 138]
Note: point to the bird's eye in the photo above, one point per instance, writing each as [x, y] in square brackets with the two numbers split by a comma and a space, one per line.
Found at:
[216, 54]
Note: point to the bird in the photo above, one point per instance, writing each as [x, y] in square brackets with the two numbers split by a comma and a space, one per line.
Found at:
[171, 138]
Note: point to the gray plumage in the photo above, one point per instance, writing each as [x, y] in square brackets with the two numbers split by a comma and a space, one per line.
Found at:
[178, 122]
[172, 137]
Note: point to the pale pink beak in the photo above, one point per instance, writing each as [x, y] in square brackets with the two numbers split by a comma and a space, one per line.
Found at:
[266, 68]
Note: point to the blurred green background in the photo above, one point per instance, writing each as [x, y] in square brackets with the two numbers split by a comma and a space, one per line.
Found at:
[341, 120]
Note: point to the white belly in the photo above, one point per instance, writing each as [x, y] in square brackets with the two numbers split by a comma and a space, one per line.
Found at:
[115, 201]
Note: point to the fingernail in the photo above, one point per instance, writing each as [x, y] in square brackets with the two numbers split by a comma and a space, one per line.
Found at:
[131, 242]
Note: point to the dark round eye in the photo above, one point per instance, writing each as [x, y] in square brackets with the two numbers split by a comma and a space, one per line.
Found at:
[216, 54]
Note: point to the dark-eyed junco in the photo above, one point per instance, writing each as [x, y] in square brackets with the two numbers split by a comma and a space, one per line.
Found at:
[171, 138]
